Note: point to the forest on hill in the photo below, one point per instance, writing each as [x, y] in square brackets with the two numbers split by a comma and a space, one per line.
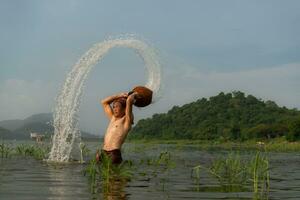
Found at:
[231, 116]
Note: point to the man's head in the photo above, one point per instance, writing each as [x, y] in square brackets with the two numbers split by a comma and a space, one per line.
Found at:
[119, 106]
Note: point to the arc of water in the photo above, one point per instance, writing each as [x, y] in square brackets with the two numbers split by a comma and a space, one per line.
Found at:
[66, 127]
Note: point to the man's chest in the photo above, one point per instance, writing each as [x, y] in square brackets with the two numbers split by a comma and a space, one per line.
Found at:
[116, 126]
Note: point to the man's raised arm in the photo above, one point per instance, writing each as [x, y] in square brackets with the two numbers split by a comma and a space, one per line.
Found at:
[128, 112]
[108, 100]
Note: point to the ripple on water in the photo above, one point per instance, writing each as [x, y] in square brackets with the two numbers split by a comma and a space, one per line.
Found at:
[26, 178]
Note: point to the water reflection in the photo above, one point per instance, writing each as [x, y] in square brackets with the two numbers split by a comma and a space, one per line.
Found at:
[67, 182]
[114, 189]
[26, 178]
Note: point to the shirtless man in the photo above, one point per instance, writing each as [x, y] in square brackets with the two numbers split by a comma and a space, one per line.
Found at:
[121, 120]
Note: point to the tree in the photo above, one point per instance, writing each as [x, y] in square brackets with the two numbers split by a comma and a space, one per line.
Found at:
[294, 130]
[232, 116]
[235, 132]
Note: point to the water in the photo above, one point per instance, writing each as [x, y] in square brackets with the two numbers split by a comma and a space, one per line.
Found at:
[66, 126]
[25, 178]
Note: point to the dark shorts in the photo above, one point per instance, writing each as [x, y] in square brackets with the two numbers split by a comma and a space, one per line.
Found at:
[114, 155]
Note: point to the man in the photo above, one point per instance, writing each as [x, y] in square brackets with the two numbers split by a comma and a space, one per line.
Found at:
[121, 120]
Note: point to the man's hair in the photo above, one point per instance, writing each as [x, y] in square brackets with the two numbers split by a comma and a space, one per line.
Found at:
[122, 101]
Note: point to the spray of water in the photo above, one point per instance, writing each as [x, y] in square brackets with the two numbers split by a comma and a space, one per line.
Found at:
[66, 127]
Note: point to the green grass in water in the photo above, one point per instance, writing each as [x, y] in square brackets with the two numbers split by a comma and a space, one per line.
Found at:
[106, 173]
[36, 151]
[234, 173]
[5, 149]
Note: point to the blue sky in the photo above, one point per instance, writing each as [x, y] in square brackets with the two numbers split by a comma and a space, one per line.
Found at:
[205, 47]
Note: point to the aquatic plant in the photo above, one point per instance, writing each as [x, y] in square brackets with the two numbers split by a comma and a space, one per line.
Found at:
[164, 159]
[92, 171]
[230, 171]
[163, 183]
[106, 172]
[39, 152]
[84, 151]
[234, 173]
[259, 169]
[21, 149]
[5, 149]
[195, 174]
[160, 167]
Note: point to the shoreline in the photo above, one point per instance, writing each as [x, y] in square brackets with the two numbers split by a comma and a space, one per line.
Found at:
[272, 145]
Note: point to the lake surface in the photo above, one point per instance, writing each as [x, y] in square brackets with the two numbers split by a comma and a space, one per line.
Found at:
[27, 178]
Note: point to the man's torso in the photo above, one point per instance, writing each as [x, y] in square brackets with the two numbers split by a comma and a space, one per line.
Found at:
[115, 134]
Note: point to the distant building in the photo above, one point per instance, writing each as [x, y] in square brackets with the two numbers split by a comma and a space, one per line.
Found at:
[37, 137]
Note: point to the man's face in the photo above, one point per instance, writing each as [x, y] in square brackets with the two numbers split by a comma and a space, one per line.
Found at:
[118, 109]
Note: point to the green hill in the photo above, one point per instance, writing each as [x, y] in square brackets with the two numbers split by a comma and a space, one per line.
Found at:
[35, 127]
[231, 116]
[11, 124]
[4, 133]
[39, 123]
[17, 124]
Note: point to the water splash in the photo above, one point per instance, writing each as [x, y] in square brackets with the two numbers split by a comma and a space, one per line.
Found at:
[66, 126]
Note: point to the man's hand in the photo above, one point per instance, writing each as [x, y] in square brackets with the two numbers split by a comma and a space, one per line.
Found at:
[124, 95]
[131, 98]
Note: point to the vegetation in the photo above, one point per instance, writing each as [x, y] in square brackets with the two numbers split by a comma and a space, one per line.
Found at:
[84, 151]
[225, 117]
[5, 150]
[164, 159]
[37, 151]
[259, 169]
[270, 145]
[231, 171]
[234, 173]
[106, 173]
[294, 130]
